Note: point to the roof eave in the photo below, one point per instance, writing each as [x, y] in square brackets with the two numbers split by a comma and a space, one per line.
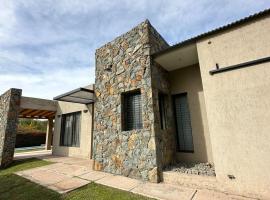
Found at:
[214, 31]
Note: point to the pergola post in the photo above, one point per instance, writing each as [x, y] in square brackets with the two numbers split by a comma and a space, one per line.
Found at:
[9, 112]
[49, 134]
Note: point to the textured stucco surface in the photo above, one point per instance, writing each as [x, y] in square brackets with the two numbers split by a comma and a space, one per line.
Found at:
[129, 153]
[9, 111]
[84, 151]
[189, 80]
[238, 106]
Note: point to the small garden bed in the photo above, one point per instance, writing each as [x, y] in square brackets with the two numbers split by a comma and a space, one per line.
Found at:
[206, 169]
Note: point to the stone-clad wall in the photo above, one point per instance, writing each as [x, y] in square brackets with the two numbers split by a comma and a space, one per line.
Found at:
[124, 65]
[9, 111]
[156, 41]
[165, 139]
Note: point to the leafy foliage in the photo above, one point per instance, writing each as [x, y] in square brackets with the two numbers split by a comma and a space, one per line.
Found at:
[30, 125]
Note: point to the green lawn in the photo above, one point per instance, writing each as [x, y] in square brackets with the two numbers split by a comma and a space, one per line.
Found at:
[13, 187]
[19, 165]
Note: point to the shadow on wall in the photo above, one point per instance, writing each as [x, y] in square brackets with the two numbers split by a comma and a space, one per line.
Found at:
[84, 149]
[188, 80]
[199, 138]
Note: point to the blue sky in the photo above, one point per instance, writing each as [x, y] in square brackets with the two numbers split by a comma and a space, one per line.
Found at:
[47, 47]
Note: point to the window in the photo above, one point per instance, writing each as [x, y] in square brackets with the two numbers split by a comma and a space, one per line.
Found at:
[162, 110]
[70, 129]
[183, 123]
[132, 111]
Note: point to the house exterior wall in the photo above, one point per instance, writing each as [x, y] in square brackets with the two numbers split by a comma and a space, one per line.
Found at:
[189, 80]
[165, 138]
[238, 106]
[9, 112]
[84, 151]
[129, 153]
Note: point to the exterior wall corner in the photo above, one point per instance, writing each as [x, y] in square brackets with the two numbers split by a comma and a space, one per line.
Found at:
[124, 65]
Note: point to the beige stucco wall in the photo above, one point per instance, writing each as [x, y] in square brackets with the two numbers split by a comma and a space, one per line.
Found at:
[188, 80]
[84, 151]
[238, 106]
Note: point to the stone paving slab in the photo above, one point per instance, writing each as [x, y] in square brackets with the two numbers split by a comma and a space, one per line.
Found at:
[120, 182]
[164, 191]
[70, 170]
[44, 177]
[68, 174]
[210, 194]
[69, 184]
[30, 171]
[60, 176]
[94, 175]
[69, 160]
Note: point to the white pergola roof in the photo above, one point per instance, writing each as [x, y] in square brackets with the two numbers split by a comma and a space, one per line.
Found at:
[79, 95]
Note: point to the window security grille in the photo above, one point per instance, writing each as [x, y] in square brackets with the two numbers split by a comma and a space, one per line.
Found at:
[162, 111]
[183, 123]
[70, 129]
[132, 111]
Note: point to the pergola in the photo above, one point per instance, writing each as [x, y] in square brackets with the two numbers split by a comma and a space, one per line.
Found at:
[79, 95]
[14, 106]
[35, 108]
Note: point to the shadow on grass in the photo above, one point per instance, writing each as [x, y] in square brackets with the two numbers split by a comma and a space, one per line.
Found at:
[14, 187]
[24, 164]
[94, 191]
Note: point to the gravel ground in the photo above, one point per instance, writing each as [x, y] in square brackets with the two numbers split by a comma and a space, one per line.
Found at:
[205, 169]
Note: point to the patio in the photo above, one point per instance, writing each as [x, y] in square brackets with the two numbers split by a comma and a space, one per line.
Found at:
[62, 176]
[67, 174]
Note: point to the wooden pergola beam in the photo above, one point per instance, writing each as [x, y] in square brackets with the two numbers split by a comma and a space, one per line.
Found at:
[38, 104]
[49, 114]
[25, 111]
[37, 108]
[36, 114]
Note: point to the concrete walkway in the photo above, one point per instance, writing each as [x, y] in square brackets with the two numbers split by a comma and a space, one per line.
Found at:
[67, 174]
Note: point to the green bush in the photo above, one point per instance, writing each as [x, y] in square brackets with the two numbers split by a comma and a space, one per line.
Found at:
[32, 125]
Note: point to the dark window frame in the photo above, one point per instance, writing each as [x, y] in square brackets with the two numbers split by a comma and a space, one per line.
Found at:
[162, 110]
[127, 114]
[62, 130]
[175, 121]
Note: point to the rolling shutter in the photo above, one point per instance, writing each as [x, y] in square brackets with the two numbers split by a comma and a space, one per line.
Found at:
[132, 111]
[183, 123]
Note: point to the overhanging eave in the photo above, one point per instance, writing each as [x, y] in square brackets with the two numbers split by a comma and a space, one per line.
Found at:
[79, 95]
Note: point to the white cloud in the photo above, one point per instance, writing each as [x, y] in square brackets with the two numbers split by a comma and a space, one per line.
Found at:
[50, 84]
[47, 47]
